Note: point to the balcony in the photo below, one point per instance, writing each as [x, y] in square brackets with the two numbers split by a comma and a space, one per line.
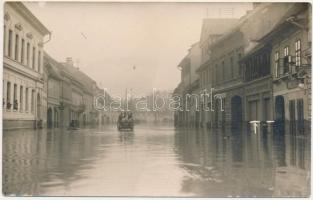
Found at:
[257, 65]
[287, 69]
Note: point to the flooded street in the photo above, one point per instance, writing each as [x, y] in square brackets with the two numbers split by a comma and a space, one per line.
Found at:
[155, 161]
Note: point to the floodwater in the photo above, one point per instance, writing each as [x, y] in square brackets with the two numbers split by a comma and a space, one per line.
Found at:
[156, 160]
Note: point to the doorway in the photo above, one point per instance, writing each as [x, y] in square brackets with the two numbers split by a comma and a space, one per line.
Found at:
[236, 112]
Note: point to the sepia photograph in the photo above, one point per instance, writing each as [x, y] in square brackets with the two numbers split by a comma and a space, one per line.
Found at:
[156, 99]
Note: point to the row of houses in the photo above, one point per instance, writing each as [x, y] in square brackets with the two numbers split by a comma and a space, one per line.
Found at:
[39, 91]
[257, 68]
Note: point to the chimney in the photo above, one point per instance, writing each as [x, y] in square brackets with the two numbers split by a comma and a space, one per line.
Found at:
[256, 4]
[248, 12]
[69, 61]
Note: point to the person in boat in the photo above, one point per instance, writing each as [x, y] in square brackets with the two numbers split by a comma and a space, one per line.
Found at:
[130, 116]
[72, 124]
[120, 117]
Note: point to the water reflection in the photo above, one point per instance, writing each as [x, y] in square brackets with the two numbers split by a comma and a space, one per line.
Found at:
[157, 161]
[240, 163]
[33, 160]
[126, 137]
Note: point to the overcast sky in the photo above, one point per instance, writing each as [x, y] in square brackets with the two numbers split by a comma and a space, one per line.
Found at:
[106, 40]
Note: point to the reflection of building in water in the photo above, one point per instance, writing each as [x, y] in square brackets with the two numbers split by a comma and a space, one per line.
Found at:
[23, 161]
[238, 163]
[35, 160]
[225, 163]
[292, 172]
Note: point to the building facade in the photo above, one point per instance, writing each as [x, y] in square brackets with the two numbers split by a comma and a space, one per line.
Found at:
[257, 80]
[256, 69]
[212, 30]
[189, 114]
[290, 44]
[226, 79]
[53, 80]
[242, 70]
[257, 61]
[71, 96]
[24, 96]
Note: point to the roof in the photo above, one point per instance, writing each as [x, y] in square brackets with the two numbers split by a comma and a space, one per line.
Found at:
[80, 76]
[28, 15]
[52, 66]
[177, 90]
[255, 49]
[297, 8]
[240, 23]
[57, 70]
[194, 44]
[184, 61]
[293, 11]
[216, 26]
[203, 66]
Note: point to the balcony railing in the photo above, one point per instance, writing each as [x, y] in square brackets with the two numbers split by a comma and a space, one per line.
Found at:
[287, 67]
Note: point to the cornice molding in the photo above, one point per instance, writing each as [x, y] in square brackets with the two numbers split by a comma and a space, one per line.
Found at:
[27, 15]
[29, 35]
[19, 26]
[7, 16]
